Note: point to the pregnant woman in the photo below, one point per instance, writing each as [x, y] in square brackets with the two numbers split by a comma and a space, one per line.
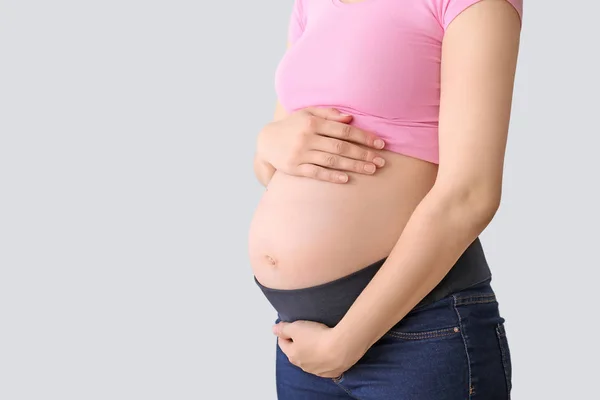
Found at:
[382, 167]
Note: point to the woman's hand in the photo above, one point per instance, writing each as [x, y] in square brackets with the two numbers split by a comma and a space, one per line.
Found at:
[316, 348]
[319, 143]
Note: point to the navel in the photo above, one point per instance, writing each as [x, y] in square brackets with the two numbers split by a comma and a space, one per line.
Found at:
[270, 260]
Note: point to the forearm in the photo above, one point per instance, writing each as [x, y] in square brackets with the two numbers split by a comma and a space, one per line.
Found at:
[263, 170]
[440, 229]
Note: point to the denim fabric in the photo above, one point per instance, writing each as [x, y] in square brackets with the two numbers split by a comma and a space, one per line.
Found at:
[453, 349]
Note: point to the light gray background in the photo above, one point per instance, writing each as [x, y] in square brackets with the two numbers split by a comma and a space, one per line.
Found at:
[127, 131]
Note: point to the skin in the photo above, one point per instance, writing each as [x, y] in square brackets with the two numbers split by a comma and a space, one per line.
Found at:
[306, 232]
[326, 141]
[479, 55]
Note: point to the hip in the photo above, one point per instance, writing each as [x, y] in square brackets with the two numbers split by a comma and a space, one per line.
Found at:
[454, 348]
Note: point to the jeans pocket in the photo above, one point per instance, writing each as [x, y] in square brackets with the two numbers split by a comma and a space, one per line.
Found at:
[422, 335]
[432, 322]
[505, 352]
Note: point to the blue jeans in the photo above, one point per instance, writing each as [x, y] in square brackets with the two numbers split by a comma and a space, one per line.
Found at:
[453, 349]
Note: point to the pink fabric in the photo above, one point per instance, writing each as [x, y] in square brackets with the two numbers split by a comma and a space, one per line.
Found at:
[378, 60]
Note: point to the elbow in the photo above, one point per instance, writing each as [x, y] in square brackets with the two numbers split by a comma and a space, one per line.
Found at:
[486, 205]
[472, 206]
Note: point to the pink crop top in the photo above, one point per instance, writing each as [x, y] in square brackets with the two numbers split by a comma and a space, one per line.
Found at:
[378, 60]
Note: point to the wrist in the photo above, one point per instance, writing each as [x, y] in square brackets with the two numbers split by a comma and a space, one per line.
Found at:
[348, 344]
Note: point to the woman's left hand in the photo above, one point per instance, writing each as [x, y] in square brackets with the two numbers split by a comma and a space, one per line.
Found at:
[316, 348]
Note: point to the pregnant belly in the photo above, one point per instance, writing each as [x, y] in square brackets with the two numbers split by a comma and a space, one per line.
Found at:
[306, 232]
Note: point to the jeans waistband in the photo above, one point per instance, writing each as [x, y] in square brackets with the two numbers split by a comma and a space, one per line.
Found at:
[328, 303]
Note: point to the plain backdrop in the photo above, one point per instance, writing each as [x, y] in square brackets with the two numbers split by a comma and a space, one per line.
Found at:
[127, 133]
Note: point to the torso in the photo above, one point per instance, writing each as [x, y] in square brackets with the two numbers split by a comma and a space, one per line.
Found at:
[378, 60]
[306, 232]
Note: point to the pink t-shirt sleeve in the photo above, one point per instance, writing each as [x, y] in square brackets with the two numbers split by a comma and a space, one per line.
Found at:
[297, 21]
[452, 8]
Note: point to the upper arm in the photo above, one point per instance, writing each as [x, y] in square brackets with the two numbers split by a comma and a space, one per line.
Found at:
[479, 56]
[280, 111]
[296, 24]
[263, 169]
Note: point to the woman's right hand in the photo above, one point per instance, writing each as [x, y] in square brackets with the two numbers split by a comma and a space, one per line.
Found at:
[319, 143]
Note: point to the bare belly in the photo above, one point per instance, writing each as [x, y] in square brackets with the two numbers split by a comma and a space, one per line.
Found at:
[305, 232]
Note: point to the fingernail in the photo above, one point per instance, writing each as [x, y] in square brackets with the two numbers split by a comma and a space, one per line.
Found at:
[344, 115]
[342, 178]
[379, 143]
[379, 161]
[369, 168]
